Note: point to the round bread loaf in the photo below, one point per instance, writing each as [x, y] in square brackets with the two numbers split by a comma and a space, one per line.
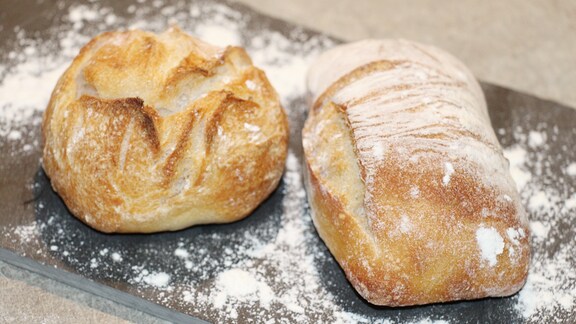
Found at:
[148, 133]
[407, 182]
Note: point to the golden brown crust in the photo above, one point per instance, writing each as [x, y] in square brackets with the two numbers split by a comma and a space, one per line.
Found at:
[148, 133]
[409, 219]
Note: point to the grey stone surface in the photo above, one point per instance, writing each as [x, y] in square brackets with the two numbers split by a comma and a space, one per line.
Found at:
[524, 45]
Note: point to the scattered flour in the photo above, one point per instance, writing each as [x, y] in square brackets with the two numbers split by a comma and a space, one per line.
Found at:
[536, 139]
[571, 169]
[237, 285]
[157, 279]
[539, 230]
[427, 321]
[279, 277]
[549, 293]
[514, 235]
[116, 257]
[549, 290]
[181, 253]
[516, 155]
[26, 233]
[571, 202]
[539, 200]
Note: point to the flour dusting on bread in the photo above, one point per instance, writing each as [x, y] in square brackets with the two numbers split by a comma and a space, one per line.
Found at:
[429, 168]
[161, 132]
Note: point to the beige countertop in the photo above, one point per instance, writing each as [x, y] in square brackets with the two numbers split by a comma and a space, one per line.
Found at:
[525, 45]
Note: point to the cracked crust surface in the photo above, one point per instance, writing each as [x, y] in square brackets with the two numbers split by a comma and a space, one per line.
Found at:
[407, 182]
[154, 132]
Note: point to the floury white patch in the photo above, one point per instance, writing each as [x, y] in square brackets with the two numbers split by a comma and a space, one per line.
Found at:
[490, 243]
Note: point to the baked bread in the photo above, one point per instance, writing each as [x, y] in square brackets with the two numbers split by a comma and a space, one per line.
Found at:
[406, 179]
[147, 133]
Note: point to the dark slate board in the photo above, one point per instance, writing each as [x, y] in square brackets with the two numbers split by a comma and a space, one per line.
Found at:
[28, 200]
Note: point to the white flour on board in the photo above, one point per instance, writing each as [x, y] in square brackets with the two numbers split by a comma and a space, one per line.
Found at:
[551, 283]
[243, 285]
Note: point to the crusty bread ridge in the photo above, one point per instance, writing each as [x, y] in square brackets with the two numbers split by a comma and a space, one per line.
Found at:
[406, 179]
[153, 132]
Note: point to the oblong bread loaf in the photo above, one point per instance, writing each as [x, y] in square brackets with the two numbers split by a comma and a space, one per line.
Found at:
[407, 182]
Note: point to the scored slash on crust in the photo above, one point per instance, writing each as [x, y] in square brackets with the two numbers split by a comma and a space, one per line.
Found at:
[147, 125]
[402, 165]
